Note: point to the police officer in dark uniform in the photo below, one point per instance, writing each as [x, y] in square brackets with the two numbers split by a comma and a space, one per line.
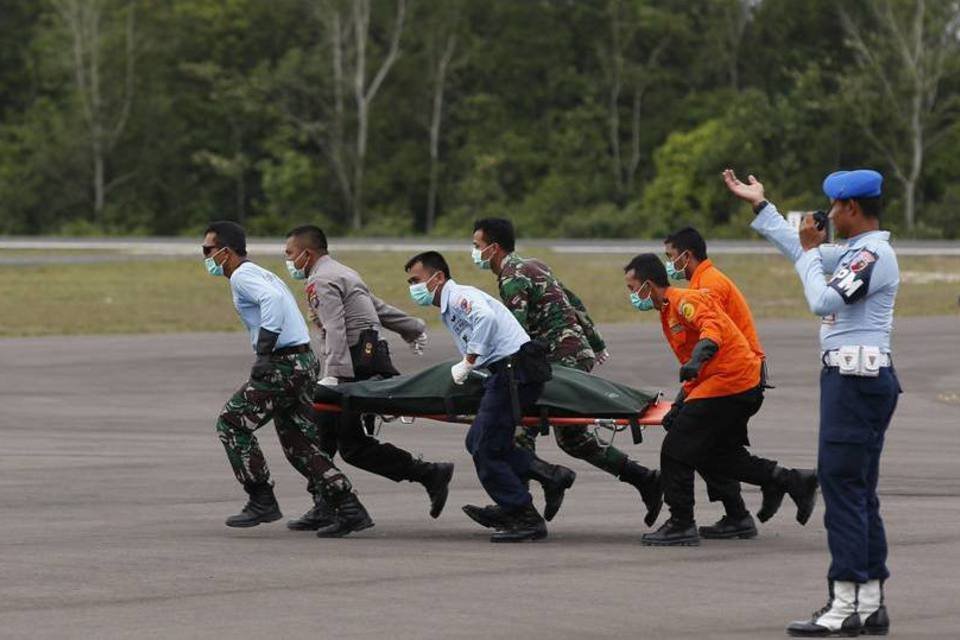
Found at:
[853, 286]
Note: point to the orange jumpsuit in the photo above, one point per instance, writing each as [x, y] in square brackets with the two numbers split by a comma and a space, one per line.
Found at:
[690, 316]
[731, 300]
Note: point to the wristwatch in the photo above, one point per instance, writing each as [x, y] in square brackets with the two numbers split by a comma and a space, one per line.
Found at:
[759, 207]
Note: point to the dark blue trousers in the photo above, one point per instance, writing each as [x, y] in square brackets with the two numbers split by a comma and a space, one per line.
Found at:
[501, 466]
[854, 415]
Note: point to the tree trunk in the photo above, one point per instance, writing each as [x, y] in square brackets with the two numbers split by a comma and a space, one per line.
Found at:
[436, 119]
[613, 102]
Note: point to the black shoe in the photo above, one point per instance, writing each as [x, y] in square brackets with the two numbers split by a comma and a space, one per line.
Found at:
[555, 480]
[877, 623]
[647, 482]
[799, 484]
[350, 516]
[261, 507]
[727, 528]
[321, 515]
[490, 516]
[437, 482]
[521, 526]
[673, 534]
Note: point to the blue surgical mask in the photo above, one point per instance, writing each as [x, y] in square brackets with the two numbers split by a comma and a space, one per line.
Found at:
[296, 274]
[477, 256]
[420, 294]
[672, 272]
[641, 304]
[213, 268]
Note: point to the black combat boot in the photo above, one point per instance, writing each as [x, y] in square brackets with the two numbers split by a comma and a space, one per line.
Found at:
[261, 507]
[435, 477]
[673, 533]
[799, 484]
[731, 527]
[321, 515]
[350, 516]
[647, 482]
[521, 526]
[490, 516]
[555, 480]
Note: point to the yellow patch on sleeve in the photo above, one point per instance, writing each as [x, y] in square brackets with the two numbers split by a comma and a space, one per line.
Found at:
[688, 310]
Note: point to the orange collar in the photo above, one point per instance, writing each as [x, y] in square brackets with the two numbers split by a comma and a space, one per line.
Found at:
[703, 266]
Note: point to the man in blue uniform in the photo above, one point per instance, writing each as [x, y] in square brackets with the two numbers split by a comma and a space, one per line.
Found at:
[489, 336]
[852, 286]
[278, 388]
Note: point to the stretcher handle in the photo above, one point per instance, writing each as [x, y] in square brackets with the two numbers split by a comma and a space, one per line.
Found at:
[650, 417]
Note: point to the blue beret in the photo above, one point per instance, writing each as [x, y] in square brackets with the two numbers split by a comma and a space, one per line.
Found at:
[861, 183]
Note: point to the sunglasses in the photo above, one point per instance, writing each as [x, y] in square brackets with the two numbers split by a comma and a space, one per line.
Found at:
[208, 249]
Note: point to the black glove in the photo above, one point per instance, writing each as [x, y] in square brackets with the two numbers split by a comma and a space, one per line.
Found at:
[671, 416]
[266, 341]
[702, 351]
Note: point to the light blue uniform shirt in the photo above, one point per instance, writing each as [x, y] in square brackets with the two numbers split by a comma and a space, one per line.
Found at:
[480, 324]
[856, 302]
[263, 300]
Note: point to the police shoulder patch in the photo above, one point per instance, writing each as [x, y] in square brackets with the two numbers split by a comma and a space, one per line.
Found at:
[852, 281]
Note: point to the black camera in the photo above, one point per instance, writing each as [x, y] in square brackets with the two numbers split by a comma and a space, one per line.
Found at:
[821, 219]
[822, 222]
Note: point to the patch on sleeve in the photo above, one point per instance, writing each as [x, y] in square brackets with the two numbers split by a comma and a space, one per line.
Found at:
[687, 310]
[853, 280]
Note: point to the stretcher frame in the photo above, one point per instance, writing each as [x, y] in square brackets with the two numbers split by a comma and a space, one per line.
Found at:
[652, 415]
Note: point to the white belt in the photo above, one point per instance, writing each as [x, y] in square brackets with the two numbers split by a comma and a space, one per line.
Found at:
[832, 359]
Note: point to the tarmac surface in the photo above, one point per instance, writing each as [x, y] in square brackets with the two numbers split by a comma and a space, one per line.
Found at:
[114, 487]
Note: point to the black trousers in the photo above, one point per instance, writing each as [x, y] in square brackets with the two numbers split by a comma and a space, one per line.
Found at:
[709, 436]
[344, 432]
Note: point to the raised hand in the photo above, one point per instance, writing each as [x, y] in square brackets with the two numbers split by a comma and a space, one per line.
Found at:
[751, 190]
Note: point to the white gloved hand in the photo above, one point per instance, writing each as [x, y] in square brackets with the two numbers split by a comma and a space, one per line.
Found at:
[603, 356]
[417, 344]
[329, 381]
[460, 371]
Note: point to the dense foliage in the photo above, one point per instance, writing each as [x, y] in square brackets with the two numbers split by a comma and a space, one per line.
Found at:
[578, 118]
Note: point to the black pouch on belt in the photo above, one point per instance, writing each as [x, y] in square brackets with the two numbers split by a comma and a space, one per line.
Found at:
[532, 360]
[371, 356]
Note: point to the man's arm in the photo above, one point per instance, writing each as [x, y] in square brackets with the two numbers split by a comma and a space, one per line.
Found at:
[515, 293]
[409, 327]
[327, 302]
[772, 226]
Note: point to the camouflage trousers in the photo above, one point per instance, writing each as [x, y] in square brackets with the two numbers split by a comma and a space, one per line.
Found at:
[283, 396]
[577, 440]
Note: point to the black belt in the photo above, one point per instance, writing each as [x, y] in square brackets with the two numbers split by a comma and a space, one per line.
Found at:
[289, 351]
[498, 365]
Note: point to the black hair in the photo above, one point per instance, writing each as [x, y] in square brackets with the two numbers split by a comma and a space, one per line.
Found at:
[311, 236]
[431, 260]
[647, 266]
[497, 230]
[871, 207]
[229, 235]
[688, 239]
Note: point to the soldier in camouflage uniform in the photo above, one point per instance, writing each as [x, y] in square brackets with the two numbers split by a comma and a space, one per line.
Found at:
[556, 317]
[278, 388]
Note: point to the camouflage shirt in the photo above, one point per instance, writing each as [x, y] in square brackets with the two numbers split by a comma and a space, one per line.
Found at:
[545, 309]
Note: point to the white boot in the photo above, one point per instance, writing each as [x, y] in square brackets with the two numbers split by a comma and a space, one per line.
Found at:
[838, 618]
[873, 612]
